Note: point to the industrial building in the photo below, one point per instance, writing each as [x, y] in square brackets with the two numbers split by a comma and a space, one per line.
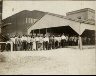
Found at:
[80, 22]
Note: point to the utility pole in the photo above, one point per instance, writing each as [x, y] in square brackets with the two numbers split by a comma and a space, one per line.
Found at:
[80, 38]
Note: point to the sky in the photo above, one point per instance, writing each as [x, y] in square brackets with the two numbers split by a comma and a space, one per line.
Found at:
[11, 7]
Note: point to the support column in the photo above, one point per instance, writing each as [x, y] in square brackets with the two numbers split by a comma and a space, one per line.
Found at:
[80, 43]
[46, 30]
[11, 46]
[39, 31]
[33, 32]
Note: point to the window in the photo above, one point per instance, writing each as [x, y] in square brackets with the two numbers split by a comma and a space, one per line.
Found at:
[31, 20]
[26, 20]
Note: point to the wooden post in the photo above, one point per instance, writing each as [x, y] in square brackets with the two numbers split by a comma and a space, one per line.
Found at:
[46, 30]
[80, 43]
[11, 46]
[80, 39]
[33, 32]
[39, 31]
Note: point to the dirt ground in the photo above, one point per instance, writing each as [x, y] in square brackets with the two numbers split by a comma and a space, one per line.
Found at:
[64, 61]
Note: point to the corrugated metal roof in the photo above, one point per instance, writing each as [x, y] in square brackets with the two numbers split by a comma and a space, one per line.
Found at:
[51, 20]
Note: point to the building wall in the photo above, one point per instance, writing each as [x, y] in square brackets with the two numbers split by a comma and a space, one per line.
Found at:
[21, 22]
[18, 24]
[91, 15]
[85, 14]
[0, 12]
[0, 17]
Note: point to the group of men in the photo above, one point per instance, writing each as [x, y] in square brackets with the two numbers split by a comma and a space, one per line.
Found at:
[40, 42]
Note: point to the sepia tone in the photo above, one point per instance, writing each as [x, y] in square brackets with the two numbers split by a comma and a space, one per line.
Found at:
[46, 42]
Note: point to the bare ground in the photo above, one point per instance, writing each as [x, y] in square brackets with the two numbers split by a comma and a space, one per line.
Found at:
[64, 61]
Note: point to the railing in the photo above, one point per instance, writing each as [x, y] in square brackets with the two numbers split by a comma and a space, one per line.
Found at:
[8, 42]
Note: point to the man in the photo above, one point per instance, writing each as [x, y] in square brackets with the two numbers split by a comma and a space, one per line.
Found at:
[75, 40]
[53, 42]
[59, 41]
[31, 43]
[70, 40]
[24, 42]
[50, 42]
[16, 43]
[28, 42]
[8, 46]
[63, 40]
[37, 42]
[41, 42]
[56, 42]
[46, 42]
[19, 43]
[67, 40]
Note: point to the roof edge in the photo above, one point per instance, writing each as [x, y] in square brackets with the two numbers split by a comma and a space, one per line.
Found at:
[81, 10]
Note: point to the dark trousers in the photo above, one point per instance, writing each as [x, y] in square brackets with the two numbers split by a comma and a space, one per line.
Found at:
[50, 46]
[73, 43]
[53, 44]
[46, 44]
[37, 43]
[56, 44]
[20, 47]
[59, 44]
[24, 45]
[67, 43]
[70, 43]
[28, 46]
[13, 47]
[63, 43]
[31, 45]
[3, 47]
[8, 46]
[16, 47]
[41, 46]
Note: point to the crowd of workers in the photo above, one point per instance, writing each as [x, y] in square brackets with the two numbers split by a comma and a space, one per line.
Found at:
[40, 42]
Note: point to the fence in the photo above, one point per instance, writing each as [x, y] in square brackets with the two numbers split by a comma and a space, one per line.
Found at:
[11, 43]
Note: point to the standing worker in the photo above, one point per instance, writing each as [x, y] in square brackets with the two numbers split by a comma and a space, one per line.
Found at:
[29, 42]
[63, 40]
[41, 42]
[37, 42]
[34, 43]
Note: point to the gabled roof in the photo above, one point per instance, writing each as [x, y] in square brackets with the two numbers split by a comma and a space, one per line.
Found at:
[51, 20]
[35, 14]
[80, 10]
[76, 20]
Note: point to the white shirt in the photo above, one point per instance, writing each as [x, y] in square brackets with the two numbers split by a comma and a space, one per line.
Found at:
[46, 39]
[13, 40]
[24, 38]
[59, 39]
[31, 40]
[66, 38]
[56, 38]
[37, 38]
[28, 39]
[41, 39]
[63, 37]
